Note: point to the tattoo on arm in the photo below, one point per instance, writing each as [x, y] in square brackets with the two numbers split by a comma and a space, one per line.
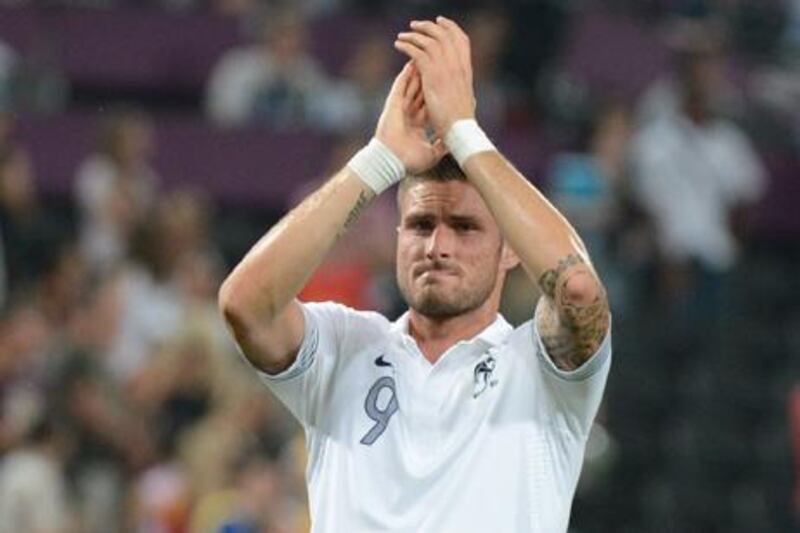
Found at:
[571, 330]
[363, 200]
[548, 280]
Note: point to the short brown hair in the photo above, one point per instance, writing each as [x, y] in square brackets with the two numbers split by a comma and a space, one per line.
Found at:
[446, 169]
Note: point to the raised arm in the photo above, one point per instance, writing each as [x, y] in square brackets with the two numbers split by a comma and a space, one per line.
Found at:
[574, 315]
[258, 297]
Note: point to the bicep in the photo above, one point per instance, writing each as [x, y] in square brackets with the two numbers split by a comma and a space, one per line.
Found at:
[272, 346]
[573, 316]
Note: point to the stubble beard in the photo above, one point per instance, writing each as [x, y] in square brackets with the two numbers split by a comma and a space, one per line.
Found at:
[434, 302]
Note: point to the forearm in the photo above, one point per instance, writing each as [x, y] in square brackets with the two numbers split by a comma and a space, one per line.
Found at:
[540, 236]
[574, 313]
[275, 270]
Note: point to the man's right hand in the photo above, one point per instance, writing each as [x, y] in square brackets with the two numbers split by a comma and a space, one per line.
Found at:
[401, 126]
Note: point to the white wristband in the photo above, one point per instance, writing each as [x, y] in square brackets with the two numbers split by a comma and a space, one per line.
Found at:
[377, 166]
[466, 139]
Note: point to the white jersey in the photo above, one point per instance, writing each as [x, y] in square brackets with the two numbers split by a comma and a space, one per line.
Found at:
[489, 438]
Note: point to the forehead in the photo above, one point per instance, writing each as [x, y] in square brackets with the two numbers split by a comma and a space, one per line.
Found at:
[443, 197]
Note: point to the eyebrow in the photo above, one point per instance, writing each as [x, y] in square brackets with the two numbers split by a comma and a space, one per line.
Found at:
[464, 218]
[451, 219]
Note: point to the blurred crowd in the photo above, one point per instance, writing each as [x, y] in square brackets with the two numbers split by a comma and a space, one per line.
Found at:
[124, 405]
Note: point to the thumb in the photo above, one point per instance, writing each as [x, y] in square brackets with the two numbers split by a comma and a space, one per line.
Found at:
[399, 85]
[439, 149]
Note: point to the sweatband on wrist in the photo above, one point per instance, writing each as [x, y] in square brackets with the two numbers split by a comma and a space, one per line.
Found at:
[466, 139]
[377, 166]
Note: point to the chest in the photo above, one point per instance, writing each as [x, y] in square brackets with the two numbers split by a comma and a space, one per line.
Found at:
[392, 397]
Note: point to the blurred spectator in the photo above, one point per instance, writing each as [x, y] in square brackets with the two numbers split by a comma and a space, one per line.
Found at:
[115, 187]
[26, 235]
[586, 185]
[592, 188]
[33, 491]
[25, 339]
[774, 84]
[8, 62]
[488, 32]
[61, 284]
[699, 64]
[152, 306]
[275, 82]
[110, 439]
[38, 83]
[171, 264]
[352, 103]
[256, 501]
[694, 175]
[162, 499]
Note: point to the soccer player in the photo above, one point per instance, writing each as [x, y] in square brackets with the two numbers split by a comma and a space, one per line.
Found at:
[449, 419]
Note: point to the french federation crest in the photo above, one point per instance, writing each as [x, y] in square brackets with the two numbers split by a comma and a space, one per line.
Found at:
[484, 376]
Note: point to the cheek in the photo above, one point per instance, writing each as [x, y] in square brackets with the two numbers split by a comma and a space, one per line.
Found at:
[480, 258]
[405, 254]
[408, 249]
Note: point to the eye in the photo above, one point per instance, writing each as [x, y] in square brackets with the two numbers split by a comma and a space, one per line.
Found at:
[420, 225]
[464, 226]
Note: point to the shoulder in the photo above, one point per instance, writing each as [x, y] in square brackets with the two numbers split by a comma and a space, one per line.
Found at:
[96, 166]
[241, 62]
[335, 310]
[345, 322]
[728, 132]
[94, 176]
[660, 133]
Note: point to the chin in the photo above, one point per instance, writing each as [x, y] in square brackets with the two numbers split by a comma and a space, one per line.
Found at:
[432, 303]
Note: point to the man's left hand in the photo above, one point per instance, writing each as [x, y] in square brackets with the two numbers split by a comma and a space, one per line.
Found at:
[441, 52]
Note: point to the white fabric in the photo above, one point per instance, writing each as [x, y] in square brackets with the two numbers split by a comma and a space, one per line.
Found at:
[242, 73]
[150, 313]
[688, 178]
[466, 139]
[32, 493]
[98, 187]
[377, 166]
[465, 451]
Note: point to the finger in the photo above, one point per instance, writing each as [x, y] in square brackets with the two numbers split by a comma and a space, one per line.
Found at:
[453, 29]
[440, 34]
[461, 41]
[431, 29]
[401, 80]
[418, 102]
[413, 86]
[419, 57]
[394, 100]
[418, 115]
[419, 40]
[419, 118]
[439, 149]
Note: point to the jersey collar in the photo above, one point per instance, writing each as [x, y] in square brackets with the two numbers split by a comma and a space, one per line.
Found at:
[493, 335]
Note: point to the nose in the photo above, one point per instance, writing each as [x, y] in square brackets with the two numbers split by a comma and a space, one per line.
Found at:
[440, 243]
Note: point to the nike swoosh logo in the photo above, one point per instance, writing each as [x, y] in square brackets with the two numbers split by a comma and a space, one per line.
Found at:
[380, 361]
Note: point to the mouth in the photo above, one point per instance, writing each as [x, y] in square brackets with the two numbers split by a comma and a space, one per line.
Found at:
[433, 272]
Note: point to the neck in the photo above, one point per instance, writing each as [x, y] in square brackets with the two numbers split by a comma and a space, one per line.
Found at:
[435, 335]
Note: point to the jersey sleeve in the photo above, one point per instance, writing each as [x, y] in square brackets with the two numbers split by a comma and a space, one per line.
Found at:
[302, 386]
[574, 394]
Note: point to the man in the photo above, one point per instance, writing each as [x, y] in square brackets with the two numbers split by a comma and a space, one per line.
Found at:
[697, 176]
[448, 419]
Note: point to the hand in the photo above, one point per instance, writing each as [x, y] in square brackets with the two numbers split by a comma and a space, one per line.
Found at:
[441, 52]
[401, 126]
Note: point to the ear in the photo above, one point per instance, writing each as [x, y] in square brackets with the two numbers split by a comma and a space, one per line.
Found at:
[508, 257]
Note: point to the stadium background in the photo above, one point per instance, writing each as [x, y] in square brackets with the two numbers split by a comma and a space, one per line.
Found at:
[144, 146]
